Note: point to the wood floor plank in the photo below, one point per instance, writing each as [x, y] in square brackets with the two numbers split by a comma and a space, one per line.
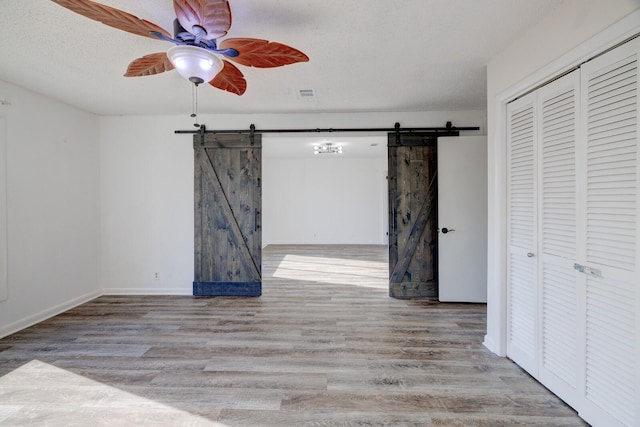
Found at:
[323, 346]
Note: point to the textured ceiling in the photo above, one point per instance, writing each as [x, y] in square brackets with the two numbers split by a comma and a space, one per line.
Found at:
[392, 55]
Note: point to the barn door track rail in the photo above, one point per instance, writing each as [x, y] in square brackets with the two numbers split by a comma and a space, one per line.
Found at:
[447, 130]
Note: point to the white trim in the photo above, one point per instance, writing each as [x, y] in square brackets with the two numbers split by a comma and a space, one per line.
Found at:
[147, 291]
[43, 315]
[608, 38]
[495, 339]
[46, 314]
[4, 276]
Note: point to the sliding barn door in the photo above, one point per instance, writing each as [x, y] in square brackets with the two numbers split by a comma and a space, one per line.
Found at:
[228, 195]
[413, 218]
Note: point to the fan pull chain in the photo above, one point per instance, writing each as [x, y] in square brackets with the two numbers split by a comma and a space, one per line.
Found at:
[194, 104]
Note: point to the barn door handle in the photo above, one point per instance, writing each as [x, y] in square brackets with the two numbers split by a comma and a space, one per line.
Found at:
[256, 218]
[446, 230]
[395, 218]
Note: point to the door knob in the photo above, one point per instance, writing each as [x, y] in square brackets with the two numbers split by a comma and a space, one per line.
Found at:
[530, 254]
[446, 230]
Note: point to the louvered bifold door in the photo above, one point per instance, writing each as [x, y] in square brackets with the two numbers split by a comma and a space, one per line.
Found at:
[557, 289]
[609, 91]
[521, 233]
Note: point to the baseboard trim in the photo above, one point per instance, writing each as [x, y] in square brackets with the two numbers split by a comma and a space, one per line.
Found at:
[28, 321]
[146, 291]
[490, 344]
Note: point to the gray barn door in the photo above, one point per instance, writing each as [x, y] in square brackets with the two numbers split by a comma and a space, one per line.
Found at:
[413, 214]
[228, 197]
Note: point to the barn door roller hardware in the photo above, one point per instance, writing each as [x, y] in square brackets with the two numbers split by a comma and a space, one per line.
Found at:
[448, 129]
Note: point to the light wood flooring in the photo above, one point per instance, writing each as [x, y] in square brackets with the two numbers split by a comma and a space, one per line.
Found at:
[323, 346]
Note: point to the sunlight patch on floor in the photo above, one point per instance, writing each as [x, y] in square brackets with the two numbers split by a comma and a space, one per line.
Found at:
[371, 274]
[42, 394]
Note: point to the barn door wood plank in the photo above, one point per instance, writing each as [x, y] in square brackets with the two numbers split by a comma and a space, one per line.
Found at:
[197, 225]
[416, 231]
[236, 236]
[392, 183]
[255, 203]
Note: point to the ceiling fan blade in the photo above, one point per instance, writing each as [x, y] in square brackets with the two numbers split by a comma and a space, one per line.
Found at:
[262, 53]
[149, 65]
[230, 79]
[112, 17]
[212, 15]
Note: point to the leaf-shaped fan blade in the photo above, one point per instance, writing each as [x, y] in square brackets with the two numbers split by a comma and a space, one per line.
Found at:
[230, 79]
[149, 65]
[262, 53]
[212, 15]
[112, 17]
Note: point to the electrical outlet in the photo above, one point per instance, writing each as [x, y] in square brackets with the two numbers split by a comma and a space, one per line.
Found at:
[156, 276]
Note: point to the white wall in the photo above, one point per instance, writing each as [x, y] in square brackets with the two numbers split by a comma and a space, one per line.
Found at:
[324, 200]
[147, 188]
[4, 284]
[52, 207]
[147, 206]
[572, 33]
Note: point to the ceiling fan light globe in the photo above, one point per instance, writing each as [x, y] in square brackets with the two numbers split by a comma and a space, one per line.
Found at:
[195, 64]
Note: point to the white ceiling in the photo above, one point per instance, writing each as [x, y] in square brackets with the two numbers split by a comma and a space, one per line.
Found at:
[391, 55]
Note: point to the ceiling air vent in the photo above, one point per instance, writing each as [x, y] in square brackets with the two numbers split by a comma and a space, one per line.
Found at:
[306, 94]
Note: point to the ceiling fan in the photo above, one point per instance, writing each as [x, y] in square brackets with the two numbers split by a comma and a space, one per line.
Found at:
[197, 54]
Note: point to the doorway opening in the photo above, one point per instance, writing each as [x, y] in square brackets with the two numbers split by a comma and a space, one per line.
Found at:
[325, 216]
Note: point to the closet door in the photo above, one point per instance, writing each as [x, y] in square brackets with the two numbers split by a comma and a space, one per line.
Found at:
[610, 265]
[521, 233]
[558, 287]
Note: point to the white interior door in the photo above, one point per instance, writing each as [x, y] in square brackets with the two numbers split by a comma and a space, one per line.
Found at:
[462, 219]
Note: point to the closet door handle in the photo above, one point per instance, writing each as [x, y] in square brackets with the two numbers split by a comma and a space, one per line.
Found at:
[593, 272]
[530, 254]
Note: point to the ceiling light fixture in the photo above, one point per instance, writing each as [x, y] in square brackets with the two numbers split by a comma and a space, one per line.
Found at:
[327, 148]
[197, 65]
[194, 63]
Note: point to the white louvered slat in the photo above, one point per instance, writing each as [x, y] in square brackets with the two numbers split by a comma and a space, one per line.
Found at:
[610, 347]
[611, 171]
[521, 323]
[610, 117]
[559, 171]
[558, 236]
[521, 178]
[522, 312]
[559, 323]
